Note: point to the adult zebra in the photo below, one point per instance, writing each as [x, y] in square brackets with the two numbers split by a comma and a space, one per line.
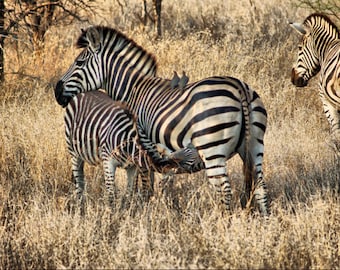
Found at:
[219, 116]
[320, 51]
[97, 129]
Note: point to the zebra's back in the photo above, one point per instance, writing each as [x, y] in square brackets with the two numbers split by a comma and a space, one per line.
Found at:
[208, 114]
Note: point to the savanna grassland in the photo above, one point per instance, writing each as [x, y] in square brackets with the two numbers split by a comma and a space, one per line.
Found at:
[39, 224]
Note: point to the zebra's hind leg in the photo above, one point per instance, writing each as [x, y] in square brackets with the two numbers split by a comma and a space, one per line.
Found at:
[132, 176]
[148, 178]
[221, 184]
[141, 194]
[168, 190]
[333, 116]
[334, 142]
[255, 187]
[218, 178]
[260, 194]
[78, 176]
[248, 185]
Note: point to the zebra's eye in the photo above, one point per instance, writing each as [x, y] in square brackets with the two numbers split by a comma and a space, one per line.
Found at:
[300, 47]
[80, 62]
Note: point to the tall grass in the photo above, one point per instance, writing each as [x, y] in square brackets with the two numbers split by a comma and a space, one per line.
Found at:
[40, 226]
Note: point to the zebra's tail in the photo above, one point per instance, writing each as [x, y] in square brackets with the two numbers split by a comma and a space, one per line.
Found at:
[255, 121]
[248, 164]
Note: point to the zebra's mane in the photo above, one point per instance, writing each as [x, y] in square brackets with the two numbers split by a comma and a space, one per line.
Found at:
[322, 17]
[120, 38]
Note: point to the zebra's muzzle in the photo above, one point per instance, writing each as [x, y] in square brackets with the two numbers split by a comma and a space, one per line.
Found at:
[298, 80]
[59, 95]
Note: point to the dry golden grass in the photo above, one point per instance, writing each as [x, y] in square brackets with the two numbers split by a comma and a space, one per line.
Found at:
[40, 227]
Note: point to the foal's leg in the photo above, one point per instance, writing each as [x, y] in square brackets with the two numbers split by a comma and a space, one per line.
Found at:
[78, 176]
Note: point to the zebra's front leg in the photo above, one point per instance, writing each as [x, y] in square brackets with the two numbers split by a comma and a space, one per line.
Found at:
[78, 176]
[109, 166]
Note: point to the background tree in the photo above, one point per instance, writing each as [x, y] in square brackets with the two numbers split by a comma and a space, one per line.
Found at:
[33, 18]
[327, 7]
[152, 14]
[2, 38]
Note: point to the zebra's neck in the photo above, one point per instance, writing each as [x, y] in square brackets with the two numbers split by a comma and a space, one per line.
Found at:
[138, 90]
[125, 68]
[120, 86]
[323, 48]
[325, 35]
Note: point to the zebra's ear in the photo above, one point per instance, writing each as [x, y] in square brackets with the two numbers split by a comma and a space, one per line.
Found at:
[93, 37]
[298, 27]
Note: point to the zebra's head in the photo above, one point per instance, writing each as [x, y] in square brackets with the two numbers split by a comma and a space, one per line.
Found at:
[105, 62]
[307, 64]
[317, 33]
[84, 74]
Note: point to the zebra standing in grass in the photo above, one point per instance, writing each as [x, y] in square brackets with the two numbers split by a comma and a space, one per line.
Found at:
[98, 130]
[219, 116]
[320, 51]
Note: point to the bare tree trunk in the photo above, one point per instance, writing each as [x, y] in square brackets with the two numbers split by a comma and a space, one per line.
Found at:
[158, 20]
[155, 16]
[39, 21]
[2, 39]
[145, 13]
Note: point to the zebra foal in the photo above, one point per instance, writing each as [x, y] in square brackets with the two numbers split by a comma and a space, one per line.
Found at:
[319, 52]
[97, 129]
[218, 116]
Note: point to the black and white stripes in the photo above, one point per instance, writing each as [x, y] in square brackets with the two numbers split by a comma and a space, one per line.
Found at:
[218, 116]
